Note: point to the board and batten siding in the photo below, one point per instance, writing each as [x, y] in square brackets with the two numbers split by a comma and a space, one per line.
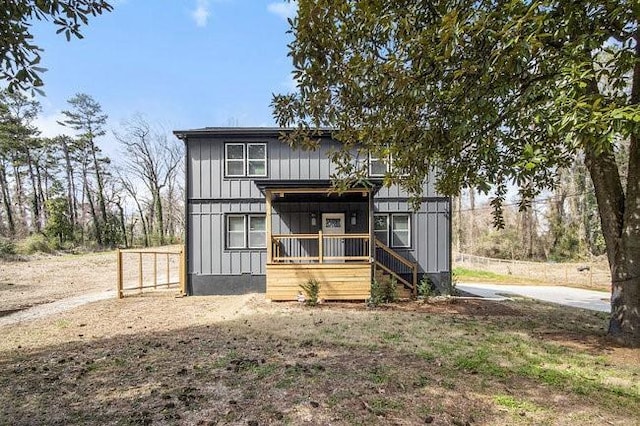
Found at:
[430, 232]
[206, 169]
[210, 196]
[207, 252]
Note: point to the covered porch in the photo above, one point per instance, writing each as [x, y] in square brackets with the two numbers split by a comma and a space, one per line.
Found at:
[316, 233]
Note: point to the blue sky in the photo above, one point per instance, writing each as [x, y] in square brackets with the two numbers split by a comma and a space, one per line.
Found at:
[181, 63]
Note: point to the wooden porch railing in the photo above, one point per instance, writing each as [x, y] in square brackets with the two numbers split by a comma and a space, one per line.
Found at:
[403, 270]
[319, 248]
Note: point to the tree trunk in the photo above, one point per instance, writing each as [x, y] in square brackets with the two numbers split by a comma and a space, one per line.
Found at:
[621, 230]
[159, 218]
[97, 224]
[100, 194]
[6, 201]
[35, 200]
[19, 197]
[625, 253]
[71, 188]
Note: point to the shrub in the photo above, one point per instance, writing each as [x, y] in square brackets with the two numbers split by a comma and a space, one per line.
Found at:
[7, 247]
[383, 291]
[425, 288]
[36, 243]
[311, 290]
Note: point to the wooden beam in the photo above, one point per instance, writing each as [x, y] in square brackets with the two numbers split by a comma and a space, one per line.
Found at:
[268, 228]
[120, 289]
[283, 191]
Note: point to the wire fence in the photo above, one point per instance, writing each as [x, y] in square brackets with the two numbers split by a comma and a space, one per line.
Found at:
[583, 274]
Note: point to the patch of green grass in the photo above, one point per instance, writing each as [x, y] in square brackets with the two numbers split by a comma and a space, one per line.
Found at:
[379, 375]
[515, 404]
[466, 274]
[479, 361]
[383, 406]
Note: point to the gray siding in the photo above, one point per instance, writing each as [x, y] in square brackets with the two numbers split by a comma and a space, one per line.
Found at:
[207, 179]
[430, 239]
[207, 253]
[211, 196]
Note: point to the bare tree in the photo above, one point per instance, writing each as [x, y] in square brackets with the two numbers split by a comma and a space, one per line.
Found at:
[153, 159]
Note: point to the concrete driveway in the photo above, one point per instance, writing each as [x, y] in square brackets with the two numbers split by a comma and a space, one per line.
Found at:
[576, 297]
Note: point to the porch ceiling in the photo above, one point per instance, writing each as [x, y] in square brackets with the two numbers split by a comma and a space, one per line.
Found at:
[314, 191]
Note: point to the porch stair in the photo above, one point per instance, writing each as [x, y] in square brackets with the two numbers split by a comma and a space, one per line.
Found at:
[402, 291]
[390, 265]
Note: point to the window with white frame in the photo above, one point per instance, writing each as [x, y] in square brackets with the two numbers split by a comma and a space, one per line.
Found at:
[245, 159]
[381, 228]
[400, 230]
[393, 230]
[235, 231]
[257, 232]
[246, 231]
[378, 166]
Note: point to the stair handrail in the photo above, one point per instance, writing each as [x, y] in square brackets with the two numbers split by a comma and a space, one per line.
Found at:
[411, 265]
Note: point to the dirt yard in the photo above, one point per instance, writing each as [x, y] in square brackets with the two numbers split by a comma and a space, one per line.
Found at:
[239, 360]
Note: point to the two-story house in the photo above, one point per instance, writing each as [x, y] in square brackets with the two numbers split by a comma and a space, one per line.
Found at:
[262, 217]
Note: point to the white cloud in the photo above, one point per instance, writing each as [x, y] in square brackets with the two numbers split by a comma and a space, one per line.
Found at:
[49, 127]
[284, 9]
[201, 13]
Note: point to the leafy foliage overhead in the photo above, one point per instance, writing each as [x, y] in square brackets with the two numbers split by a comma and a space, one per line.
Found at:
[490, 93]
[19, 54]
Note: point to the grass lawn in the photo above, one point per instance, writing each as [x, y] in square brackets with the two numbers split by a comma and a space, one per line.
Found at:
[471, 362]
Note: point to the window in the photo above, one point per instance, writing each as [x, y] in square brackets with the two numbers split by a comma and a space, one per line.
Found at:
[246, 231]
[235, 232]
[400, 230]
[381, 228]
[245, 159]
[378, 166]
[257, 232]
[393, 230]
[256, 159]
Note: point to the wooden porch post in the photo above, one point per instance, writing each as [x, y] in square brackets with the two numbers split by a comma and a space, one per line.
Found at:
[120, 270]
[268, 226]
[320, 247]
[372, 238]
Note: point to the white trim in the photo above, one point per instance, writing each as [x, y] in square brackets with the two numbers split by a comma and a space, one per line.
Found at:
[227, 159]
[249, 232]
[245, 159]
[228, 231]
[256, 159]
[372, 159]
[392, 242]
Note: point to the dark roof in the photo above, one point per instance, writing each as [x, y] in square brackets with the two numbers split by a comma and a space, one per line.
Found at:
[240, 131]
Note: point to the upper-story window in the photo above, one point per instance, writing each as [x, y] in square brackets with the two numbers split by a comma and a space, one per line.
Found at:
[378, 166]
[245, 159]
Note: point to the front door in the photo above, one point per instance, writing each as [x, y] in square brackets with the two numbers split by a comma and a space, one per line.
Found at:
[333, 224]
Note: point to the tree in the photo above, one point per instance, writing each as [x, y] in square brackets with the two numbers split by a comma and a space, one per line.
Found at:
[19, 55]
[86, 117]
[154, 160]
[487, 94]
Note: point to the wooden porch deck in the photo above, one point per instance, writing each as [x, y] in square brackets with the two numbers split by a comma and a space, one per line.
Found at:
[338, 281]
